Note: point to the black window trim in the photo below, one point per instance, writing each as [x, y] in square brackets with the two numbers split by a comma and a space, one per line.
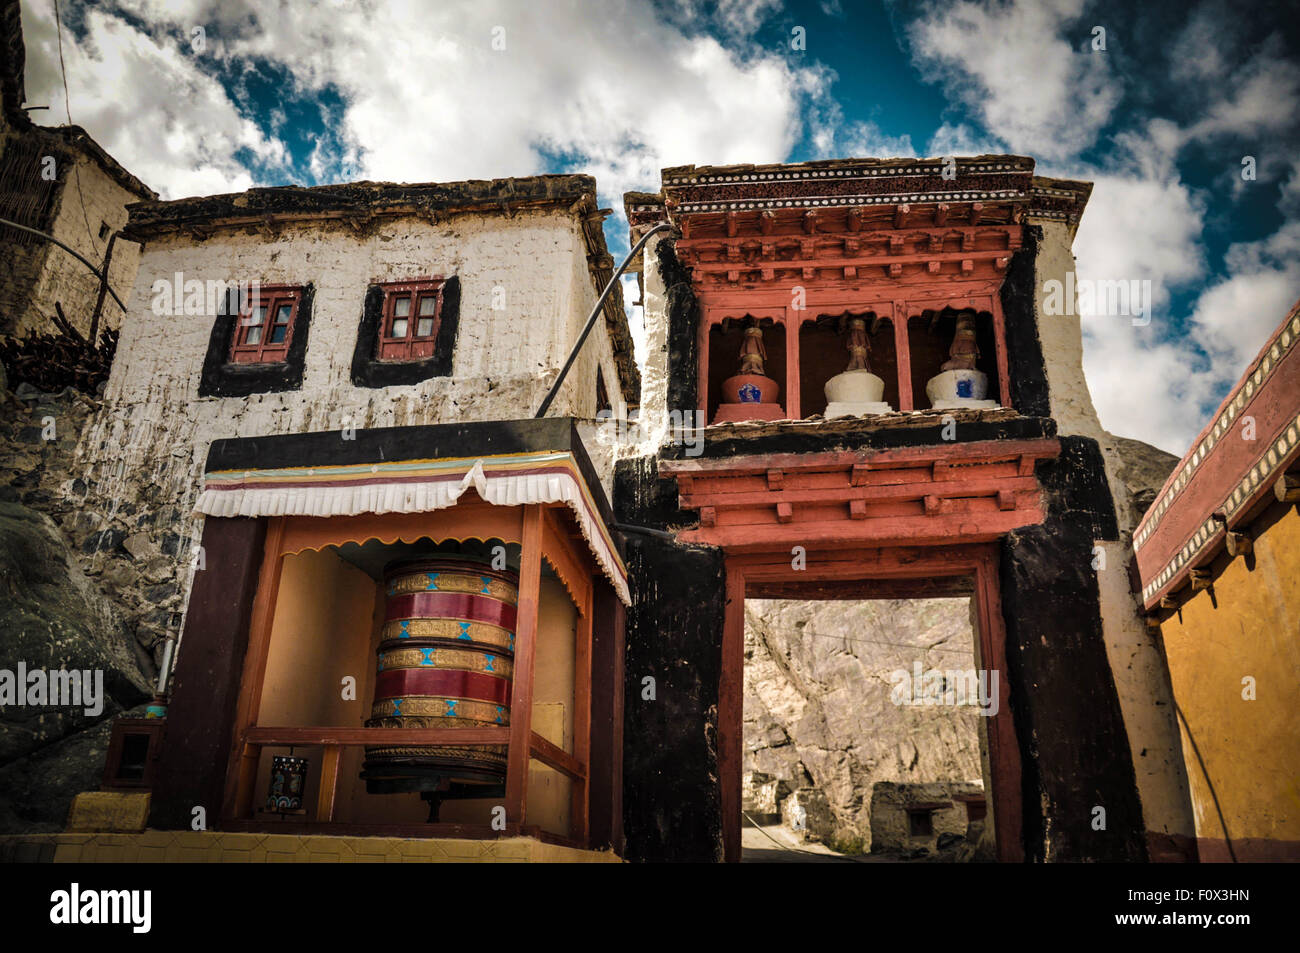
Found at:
[369, 371]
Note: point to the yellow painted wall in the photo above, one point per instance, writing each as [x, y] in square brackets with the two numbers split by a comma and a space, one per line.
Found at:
[1251, 749]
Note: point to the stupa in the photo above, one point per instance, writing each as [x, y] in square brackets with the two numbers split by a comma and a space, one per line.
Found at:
[958, 384]
[750, 394]
[856, 391]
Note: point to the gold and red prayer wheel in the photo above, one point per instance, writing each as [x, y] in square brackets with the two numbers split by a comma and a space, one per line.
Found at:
[445, 660]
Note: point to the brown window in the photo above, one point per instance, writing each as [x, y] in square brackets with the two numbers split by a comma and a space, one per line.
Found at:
[411, 317]
[265, 326]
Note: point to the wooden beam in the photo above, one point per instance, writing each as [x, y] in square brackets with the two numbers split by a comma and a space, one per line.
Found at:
[961, 487]
[521, 703]
[273, 736]
[973, 527]
[237, 802]
[1004, 751]
[553, 756]
[902, 356]
[580, 794]
[329, 783]
[1287, 488]
[976, 451]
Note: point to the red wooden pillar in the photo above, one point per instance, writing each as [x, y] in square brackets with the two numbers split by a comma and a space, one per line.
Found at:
[580, 799]
[1004, 753]
[903, 356]
[793, 322]
[702, 396]
[521, 699]
[1000, 345]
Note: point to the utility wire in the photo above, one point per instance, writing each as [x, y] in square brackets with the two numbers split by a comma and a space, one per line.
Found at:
[67, 108]
[796, 850]
[1208, 783]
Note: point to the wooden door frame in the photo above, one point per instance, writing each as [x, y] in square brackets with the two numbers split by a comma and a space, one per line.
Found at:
[979, 561]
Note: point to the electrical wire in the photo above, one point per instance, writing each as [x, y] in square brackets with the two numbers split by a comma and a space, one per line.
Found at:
[67, 108]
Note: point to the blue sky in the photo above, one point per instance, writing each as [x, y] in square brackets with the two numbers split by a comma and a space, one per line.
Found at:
[319, 91]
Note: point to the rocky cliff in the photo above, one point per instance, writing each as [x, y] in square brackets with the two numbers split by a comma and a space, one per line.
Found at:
[818, 706]
[54, 617]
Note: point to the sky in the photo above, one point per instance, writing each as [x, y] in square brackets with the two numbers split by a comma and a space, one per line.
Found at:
[1184, 115]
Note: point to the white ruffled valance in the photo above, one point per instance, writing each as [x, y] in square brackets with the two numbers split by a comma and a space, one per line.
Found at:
[415, 487]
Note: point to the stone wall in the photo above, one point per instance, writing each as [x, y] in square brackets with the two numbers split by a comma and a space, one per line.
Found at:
[115, 550]
[82, 198]
[88, 200]
[818, 707]
[891, 824]
[60, 608]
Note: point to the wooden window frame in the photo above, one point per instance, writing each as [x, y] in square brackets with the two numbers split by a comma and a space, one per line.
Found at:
[410, 346]
[264, 351]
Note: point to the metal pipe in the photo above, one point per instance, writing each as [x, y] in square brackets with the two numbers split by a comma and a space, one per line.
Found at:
[643, 530]
[591, 320]
[73, 252]
[165, 668]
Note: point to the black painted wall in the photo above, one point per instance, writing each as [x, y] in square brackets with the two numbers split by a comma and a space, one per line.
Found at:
[671, 801]
[1025, 364]
[683, 320]
[1074, 750]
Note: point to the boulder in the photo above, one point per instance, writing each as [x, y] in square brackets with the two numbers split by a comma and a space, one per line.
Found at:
[54, 618]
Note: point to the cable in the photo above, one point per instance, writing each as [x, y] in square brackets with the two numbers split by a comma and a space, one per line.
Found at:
[67, 108]
[795, 850]
[1208, 783]
[71, 251]
[901, 645]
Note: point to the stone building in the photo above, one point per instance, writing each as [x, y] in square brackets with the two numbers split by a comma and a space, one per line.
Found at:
[1019, 503]
[313, 385]
[61, 182]
[1219, 558]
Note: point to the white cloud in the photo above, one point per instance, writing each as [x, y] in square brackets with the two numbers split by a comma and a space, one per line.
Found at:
[866, 139]
[1012, 65]
[1234, 317]
[958, 139]
[145, 103]
[427, 97]
[1143, 226]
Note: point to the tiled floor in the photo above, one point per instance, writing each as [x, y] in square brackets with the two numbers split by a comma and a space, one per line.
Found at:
[224, 847]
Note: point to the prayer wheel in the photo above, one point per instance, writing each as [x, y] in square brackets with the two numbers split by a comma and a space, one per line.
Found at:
[445, 660]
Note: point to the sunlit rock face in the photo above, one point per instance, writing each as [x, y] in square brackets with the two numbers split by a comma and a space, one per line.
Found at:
[819, 699]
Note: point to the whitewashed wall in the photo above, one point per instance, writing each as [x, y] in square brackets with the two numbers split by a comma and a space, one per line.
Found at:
[146, 448]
